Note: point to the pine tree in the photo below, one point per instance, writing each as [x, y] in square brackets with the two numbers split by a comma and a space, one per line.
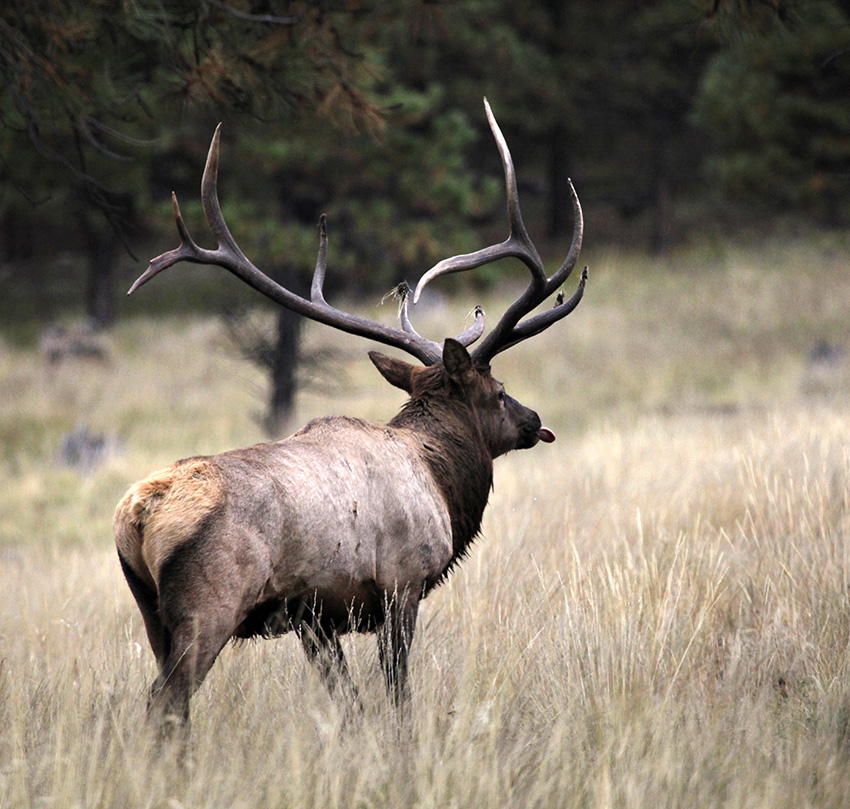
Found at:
[776, 103]
[86, 85]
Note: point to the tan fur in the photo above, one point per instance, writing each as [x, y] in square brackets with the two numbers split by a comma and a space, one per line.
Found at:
[160, 512]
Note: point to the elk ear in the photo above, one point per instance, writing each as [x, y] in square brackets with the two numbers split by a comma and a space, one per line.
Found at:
[396, 372]
[457, 362]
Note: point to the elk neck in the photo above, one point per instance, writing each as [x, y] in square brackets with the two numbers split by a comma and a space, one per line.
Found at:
[454, 449]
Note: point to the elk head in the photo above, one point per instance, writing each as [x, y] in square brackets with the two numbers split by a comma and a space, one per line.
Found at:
[504, 423]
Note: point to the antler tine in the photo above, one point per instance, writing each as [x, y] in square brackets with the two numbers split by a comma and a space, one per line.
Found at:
[188, 250]
[509, 331]
[212, 207]
[469, 336]
[316, 289]
[564, 271]
[538, 323]
[465, 338]
[229, 256]
[517, 245]
[402, 291]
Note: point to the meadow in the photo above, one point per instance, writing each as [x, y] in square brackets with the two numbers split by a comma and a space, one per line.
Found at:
[657, 612]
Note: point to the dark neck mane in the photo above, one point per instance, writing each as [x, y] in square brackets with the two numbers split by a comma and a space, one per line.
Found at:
[454, 449]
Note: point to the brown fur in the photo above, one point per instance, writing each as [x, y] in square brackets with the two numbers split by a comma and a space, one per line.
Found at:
[462, 470]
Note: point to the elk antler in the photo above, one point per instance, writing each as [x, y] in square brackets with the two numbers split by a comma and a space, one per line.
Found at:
[509, 331]
[230, 256]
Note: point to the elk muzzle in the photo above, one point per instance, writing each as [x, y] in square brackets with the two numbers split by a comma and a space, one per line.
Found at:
[531, 429]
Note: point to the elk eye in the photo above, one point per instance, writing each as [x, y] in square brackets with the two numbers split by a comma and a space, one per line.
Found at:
[502, 396]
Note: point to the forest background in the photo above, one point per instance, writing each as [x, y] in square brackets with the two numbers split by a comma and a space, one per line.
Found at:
[680, 123]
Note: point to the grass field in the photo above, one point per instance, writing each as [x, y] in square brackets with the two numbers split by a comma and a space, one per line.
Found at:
[656, 615]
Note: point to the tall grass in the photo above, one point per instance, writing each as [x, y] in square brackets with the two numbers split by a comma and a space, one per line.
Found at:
[657, 614]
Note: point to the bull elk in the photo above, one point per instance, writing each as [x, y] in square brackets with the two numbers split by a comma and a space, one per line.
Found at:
[347, 524]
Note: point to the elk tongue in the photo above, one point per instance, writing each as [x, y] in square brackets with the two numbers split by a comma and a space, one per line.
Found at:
[546, 435]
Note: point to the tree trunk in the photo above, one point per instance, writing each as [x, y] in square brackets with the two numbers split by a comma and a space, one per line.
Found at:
[286, 355]
[659, 237]
[18, 237]
[560, 211]
[284, 381]
[100, 284]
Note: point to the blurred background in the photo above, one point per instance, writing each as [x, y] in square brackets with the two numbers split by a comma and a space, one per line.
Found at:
[687, 127]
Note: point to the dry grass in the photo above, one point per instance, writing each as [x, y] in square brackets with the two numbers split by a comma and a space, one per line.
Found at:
[658, 613]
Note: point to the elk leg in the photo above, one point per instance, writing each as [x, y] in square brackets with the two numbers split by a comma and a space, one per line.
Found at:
[148, 603]
[196, 638]
[193, 649]
[394, 638]
[325, 652]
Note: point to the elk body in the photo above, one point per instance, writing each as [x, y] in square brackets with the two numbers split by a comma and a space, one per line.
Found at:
[347, 524]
